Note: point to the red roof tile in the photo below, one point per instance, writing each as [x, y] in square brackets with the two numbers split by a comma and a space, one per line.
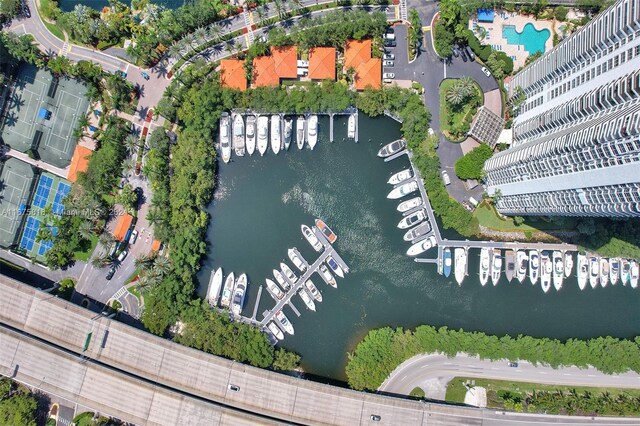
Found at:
[322, 63]
[369, 74]
[264, 72]
[285, 61]
[356, 52]
[232, 74]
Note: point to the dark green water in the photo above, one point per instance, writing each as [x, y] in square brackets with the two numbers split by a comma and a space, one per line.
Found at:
[256, 217]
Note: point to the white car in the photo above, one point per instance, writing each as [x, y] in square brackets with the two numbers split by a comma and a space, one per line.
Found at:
[122, 255]
[133, 237]
[445, 178]
[486, 71]
[388, 75]
[387, 63]
[389, 56]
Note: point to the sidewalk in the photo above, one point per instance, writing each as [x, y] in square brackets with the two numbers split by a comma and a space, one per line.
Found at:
[40, 164]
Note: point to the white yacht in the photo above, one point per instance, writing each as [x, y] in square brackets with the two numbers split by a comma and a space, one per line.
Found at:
[409, 204]
[546, 270]
[633, 278]
[276, 134]
[312, 131]
[288, 132]
[311, 238]
[313, 290]
[239, 294]
[306, 299]
[351, 127]
[399, 177]
[215, 285]
[284, 322]
[422, 246]
[278, 276]
[496, 266]
[522, 262]
[288, 272]
[558, 270]
[334, 266]
[403, 190]
[604, 272]
[297, 259]
[227, 291]
[583, 271]
[614, 270]
[263, 134]
[274, 289]
[484, 266]
[251, 134]
[414, 233]
[568, 264]
[300, 132]
[275, 330]
[412, 219]
[594, 272]
[238, 135]
[534, 266]
[392, 148]
[225, 137]
[460, 266]
[327, 277]
[625, 271]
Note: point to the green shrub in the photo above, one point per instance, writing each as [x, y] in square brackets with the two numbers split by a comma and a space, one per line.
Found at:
[470, 165]
[105, 44]
[481, 51]
[560, 13]
[442, 40]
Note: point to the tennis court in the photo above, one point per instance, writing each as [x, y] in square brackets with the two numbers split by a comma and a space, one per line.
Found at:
[42, 191]
[17, 180]
[61, 192]
[29, 235]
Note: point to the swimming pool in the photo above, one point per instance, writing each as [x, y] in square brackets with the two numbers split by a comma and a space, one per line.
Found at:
[532, 39]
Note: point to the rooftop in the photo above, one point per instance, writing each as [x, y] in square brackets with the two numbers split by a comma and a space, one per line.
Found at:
[123, 225]
[285, 61]
[232, 74]
[264, 72]
[487, 127]
[79, 162]
[322, 63]
[356, 52]
[369, 74]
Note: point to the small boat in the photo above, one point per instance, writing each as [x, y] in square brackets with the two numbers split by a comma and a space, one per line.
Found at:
[225, 137]
[392, 148]
[215, 285]
[568, 264]
[614, 270]
[461, 264]
[409, 204]
[300, 133]
[312, 131]
[327, 277]
[313, 290]
[288, 131]
[351, 127]
[288, 273]
[400, 177]
[496, 266]
[447, 262]
[307, 299]
[414, 233]
[238, 135]
[484, 266]
[534, 266]
[274, 289]
[633, 279]
[412, 219]
[334, 266]
[402, 190]
[625, 271]
[227, 290]
[422, 246]
[284, 322]
[297, 259]
[276, 133]
[278, 276]
[594, 272]
[239, 294]
[326, 231]
[510, 264]
[311, 238]
[558, 269]
[522, 262]
[604, 272]
[275, 330]
[583, 271]
[250, 141]
[263, 134]
[546, 271]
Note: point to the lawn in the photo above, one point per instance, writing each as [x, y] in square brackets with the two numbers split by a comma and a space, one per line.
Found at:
[134, 290]
[85, 254]
[46, 9]
[489, 218]
[450, 120]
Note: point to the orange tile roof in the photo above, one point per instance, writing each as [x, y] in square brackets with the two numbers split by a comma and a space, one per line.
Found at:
[285, 61]
[232, 74]
[369, 74]
[356, 52]
[124, 222]
[155, 245]
[264, 72]
[322, 63]
[79, 162]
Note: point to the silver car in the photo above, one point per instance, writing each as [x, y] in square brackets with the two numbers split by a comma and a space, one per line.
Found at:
[387, 63]
[389, 56]
[388, 75]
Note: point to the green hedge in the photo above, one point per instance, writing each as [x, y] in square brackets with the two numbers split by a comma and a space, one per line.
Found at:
[481, 51]
[470, 165]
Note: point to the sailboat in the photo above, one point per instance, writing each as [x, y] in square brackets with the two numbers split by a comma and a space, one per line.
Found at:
[300, 132]
[583, 271]
[484, 266]
[461, 264]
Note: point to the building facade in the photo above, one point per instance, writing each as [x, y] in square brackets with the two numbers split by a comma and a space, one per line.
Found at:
[576, 138]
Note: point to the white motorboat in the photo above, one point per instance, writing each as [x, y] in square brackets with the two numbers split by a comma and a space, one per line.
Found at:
[614, 270]
[278, 276]
[633, 278]
[509, 264]
[274, 289]
[225, 137]
[392, 148]
[215, 285]
[399, 177]
[522, 263]
[604, 272]
[311, 238]
[534, 266]
[275, 330]
[239, 294]
[284, 322]
[306, 299]
[412, 219]
[414, 233]
[327, 277]
[558, 270]
[263, 134]
[583, 271]
[402, 190]
[238, 135]
[288, 273]
[625, 271]
[351, 127]
[276, 133]
[227, 290]
[422, 246]
[326, 231]
[288, 132]
[409, 204]
[250, 141]
[546, 270]
[334, 266]
[484, 266]
[594, 272]
[300, 132]
[313, 290]
[312, 131]
[460, 266]
[568, 264]
[297, 259]
[496, 266]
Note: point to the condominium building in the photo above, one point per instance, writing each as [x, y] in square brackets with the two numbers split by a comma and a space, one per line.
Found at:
[576, 138]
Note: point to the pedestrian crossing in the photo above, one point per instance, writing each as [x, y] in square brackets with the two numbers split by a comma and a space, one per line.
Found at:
[66, 48]
[247, 23]
[121, 292]
[403, 11]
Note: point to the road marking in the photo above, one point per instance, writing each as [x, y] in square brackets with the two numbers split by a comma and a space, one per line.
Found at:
[542, 372]
[591, 375]
[397, 12]
[427, 28]
[566, 374]
[444, 65]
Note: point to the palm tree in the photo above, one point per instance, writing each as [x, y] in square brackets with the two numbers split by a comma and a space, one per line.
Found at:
[190, 41]
[467, 85]
[214, 32]
[85, 230]
[106, 240]
[161, 265]
[131, 143]
[201, 34]
[127, 166]
[147, 281]
[144, 261]
[455, 96]
[101, 260]
[175, 50]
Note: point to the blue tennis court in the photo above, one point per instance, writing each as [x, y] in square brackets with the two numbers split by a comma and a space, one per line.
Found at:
[42, 191]
[46, 245]
[61, 192]
[30, 232]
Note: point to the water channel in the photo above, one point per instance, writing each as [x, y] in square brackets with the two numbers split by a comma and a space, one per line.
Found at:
[256, 216]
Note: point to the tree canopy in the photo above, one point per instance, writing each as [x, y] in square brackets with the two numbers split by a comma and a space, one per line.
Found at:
[470, 165]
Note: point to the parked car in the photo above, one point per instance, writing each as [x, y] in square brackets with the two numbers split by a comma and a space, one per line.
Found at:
[390, 36]
[138, 192]
[486, 71]
[375, 418]
[144, 75]
[513, 364]
[388, 75]
[389, 43]
[133, 237]
[455, 52]
[387, 63]
[389, 56]
[234, 388]
[463, 55]
[430, 131]
[123, 254]
[121, 73]
[111, 273]
[445, 178]
[470, 53]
